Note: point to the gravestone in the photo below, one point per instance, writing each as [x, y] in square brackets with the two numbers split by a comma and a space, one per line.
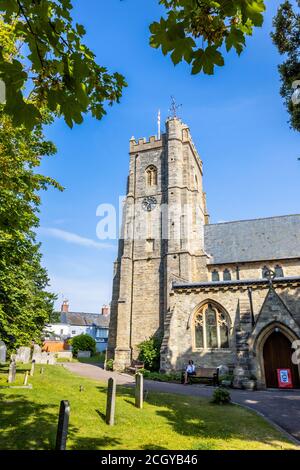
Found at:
[41, 357]
[51, 359]
[12, 372]
[64, 355]
[26, 378]
[111, 401]
[23, 355]
[63, 424]
[2, 352]
[37, 349]
[32, 368]
[83, 354]
[139, 393]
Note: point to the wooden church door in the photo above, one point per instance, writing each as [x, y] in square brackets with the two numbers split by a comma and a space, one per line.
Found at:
[278, 355]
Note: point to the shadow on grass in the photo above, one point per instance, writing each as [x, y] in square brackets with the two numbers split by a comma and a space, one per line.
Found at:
[102, 415]
[26, 425]
[197, 417]
[152, 447]
[88, 443]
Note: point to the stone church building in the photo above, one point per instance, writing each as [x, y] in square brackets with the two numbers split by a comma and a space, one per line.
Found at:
[219, 294]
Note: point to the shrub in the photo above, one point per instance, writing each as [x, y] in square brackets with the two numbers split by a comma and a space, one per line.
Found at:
[109, 364]
[221, 396]
[83, 343]
[149, 353]
[159, 377]
[226, 380]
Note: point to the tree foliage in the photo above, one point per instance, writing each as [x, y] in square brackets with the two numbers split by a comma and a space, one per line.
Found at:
[149, 353]
[286, 37]
[83, 343]
[25, 306]
[197, 30]
[53, 69]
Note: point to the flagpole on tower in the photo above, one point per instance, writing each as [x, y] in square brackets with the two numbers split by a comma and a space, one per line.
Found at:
[158, 124]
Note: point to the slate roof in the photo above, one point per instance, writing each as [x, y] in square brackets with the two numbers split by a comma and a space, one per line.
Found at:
[253, 240]
[84, 319]
[244, 282]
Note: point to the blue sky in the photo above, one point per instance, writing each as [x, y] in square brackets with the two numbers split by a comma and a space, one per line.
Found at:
[237, 120]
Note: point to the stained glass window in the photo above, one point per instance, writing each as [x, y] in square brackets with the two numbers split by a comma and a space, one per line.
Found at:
[211, 328]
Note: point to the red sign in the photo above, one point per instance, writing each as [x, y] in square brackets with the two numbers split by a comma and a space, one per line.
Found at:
[284, 378]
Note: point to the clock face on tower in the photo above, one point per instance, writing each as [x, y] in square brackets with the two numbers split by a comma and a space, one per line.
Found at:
[149, 203]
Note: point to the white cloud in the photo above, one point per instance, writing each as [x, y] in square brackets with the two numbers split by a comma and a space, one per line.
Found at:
[73, 238]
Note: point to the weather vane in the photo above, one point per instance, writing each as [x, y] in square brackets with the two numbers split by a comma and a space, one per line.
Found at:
[174, 107]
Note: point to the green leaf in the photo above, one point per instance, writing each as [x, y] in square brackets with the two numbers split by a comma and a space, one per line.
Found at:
[235, 39]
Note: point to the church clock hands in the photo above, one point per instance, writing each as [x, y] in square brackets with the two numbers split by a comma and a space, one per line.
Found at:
[149, 203]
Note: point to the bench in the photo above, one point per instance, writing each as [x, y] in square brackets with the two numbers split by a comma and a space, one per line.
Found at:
[204, 373]
[135, 366]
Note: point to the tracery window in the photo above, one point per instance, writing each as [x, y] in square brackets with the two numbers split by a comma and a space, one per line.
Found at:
[211, 328]
[151, 176]
[215, 277]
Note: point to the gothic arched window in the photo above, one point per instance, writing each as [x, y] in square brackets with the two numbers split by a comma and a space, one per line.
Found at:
[215, 276]
[151, 176]
[227, 275]
[279, 271]
[211, 328]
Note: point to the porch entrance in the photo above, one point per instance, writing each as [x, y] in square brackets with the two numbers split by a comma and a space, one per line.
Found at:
[277, 354]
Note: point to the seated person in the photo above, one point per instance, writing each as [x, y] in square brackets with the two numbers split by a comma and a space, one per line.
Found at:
[189, 371]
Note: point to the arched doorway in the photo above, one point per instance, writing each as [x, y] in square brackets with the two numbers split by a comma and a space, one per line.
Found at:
[277, 354]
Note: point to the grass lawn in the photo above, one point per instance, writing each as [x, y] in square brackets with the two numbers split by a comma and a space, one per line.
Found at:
[28, 418]
[99, 358]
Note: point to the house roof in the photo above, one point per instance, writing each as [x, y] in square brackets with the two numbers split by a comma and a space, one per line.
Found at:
[267, 239]
[84, 319]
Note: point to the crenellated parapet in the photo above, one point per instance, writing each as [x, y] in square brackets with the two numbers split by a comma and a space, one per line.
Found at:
[176, 129]
[144, 145]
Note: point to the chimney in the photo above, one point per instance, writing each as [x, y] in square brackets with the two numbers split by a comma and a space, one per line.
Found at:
[65, 306]
[105, 310]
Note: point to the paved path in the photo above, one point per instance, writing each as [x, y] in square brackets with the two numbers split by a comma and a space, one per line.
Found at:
[279, 406]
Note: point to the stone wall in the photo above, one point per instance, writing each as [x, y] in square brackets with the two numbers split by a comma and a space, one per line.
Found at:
[178, 342]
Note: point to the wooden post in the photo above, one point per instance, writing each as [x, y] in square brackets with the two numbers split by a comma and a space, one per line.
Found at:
[139, 390]
[111, 402]
[26, 378]
[32, 368]
[63, 424]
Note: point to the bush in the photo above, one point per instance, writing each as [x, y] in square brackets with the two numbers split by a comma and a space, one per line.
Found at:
[226, 380]
[83, 343]
[171, 377]
[109, 365]
[221, 396]
[149, 353]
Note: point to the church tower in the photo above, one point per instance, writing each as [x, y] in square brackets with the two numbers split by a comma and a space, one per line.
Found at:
[162, 238]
